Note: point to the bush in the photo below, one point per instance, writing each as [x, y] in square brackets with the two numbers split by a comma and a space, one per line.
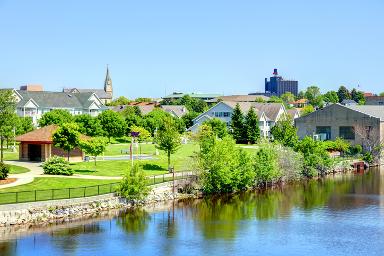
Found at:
[57, 166]
[266, 165]
[368, 157]
[355, 150]
[134, 184]
[290, 163]
[4, 170]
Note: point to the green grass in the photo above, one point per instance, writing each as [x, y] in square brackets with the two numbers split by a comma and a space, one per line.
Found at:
[8, 156]
[44, 188]
[115, 149]
[17, 169]
[181, 160]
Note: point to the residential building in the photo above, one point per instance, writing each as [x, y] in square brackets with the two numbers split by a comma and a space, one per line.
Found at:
[35, 103]
[175, 110]
[347, 102]
[268, 114]
[178, 95]
[374, 100]
[300, 103]
[105, 95]
[37, 145]
[277, 85]
[358, 124]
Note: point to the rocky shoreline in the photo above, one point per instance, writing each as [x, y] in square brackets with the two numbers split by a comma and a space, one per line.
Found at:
[68, 210]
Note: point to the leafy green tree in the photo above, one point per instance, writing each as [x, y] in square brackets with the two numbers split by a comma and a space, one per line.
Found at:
[307, 110]
[358, 96]
[94, 146]
[275, 99]
[225, 168]
[314, 96]
[188, 118]
[266, 165]
[7, 117]
[119, 101]
[24, 125]
[56, 116]
[237, 125]
[89, 125]
[168, 138]
[113, 124]
[144, 135]
[285, 132]
[331, 97]
[343, 94]
[142, 99]
[67, 137]
[154, 120]
[251, 125]
[301, 95]
[259, 99]
[288, 97]
[219, 128]
[134, 184]
[381, 94]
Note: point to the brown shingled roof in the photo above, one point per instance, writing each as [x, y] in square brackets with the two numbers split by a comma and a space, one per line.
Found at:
[42, 135]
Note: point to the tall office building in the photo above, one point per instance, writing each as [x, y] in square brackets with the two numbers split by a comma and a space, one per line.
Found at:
[277, 85]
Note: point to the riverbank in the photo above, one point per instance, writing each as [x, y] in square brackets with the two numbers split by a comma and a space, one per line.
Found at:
[47, 212]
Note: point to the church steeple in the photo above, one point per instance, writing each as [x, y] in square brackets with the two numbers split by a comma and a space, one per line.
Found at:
[108, 83]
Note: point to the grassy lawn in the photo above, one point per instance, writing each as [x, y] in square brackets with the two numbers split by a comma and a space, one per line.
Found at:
[181, 160]
[11, 156]
[115, 149]
[17, 169]
[61, 186]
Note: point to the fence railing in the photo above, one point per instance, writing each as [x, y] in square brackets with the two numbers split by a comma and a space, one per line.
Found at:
[77, 192]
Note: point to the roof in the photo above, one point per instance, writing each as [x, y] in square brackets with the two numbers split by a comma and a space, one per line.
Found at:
[346, 101]
[292, 112]
[46, 99]
[193, 95]
[42, 135]
[177, 110]
[101, 94]
[241, 98]
[371, 110]
[300, 101]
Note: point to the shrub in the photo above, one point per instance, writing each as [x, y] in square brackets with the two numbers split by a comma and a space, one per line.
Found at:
[57, 166]
[355, 150]
[290, 163]
[4, 170]
[266, 165]
[368, 157]
[134, 184]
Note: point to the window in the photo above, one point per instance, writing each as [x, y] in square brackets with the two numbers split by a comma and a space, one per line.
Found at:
[324, 130]
[226, 114]
[347, 132]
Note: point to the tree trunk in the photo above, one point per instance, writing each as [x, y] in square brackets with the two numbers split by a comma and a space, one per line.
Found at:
[169, 160]
[95, 160]
[1, 145]
[68, 155]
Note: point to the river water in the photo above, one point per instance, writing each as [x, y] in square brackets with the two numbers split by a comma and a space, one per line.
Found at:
[341, 215]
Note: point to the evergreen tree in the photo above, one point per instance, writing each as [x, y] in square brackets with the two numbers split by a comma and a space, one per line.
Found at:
[343, 94]
[252, 126]
[237, 125]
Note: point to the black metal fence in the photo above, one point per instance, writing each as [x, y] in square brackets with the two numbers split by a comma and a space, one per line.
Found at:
[68, 193]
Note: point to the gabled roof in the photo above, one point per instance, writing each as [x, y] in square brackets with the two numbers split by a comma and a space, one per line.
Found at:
[56, 99]
[371, 110]
[177, 110]
[42, 135]
[193, 95]
[101, 94]
[293, 112]
[241, 98]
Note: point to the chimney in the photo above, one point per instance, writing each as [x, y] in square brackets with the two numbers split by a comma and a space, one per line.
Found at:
[275, 72]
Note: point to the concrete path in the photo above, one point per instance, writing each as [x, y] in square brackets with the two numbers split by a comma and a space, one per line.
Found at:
[37, 171]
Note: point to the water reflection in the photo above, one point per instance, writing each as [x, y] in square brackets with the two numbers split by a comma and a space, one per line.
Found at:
[318, 210]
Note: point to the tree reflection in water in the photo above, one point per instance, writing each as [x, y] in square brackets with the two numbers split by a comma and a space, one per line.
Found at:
[8, 248]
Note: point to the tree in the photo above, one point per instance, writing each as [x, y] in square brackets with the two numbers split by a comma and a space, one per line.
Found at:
[251, 125]
[113, 124]
[94, 146]
[188, 118]
[307, 110]
[56, 116]
[381, 94]
[266, 165]
[343, 94]
[67, 137]
[7, 116]
[119, 101]
[168, 138]
[275, 99]
[144, 135]
[134, 184]
[313, 95]
[219, 128]
[331, 97]
[142, 99]
[89, 125]
[358, 96]
[237, 125]
[288, 97]
[301, 95]
[285, 132]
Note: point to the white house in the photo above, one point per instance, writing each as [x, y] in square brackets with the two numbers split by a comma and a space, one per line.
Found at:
[35, 103]
[268, 113]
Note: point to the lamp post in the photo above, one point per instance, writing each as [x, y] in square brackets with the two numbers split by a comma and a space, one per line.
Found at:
[133, 136]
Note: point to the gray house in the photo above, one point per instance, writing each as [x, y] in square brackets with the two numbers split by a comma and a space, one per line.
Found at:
[357, 124]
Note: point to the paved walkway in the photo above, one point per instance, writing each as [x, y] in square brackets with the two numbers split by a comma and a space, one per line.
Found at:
[37, 171]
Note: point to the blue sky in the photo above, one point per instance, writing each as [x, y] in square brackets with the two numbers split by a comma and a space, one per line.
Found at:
[157, 47]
